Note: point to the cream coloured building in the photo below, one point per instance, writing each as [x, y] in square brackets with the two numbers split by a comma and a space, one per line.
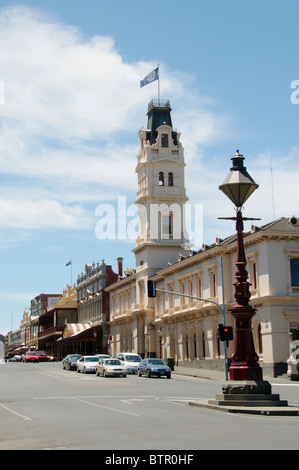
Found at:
[182, 327]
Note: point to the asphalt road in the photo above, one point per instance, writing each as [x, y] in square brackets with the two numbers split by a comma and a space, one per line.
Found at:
[45, 407]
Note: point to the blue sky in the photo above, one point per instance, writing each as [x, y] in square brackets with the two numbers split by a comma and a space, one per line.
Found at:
[72, 108]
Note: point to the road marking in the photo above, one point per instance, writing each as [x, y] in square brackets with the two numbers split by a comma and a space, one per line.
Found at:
[130, 400]
[106, 407]
[15, 413]
[91, 396]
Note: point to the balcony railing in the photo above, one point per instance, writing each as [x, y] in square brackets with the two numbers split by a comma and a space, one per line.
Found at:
[51, 331]
[159, 104]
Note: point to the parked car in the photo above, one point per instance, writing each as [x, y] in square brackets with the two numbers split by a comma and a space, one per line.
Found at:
[111, 368]
[51, 358]
[45, 357]
[130, 360]
[30, 356]
[103, 356]
[87, 364]
[16, 358]
[151, 367]
[42, 356]
[70, 361]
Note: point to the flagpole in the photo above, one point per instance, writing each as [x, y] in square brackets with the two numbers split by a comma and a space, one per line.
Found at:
[71, 272]
[158, 85]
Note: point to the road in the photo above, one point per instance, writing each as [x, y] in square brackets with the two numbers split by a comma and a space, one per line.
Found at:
[45, 407]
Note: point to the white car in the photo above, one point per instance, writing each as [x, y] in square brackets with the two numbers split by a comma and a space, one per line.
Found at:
[87, 364]
[130, 360]
[111, 368]
[103, 356]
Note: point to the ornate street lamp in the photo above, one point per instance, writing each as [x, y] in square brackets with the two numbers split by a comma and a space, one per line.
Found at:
[238, 187]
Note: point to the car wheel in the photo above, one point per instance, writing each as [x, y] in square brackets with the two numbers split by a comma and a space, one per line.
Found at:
[125, 375]
[148, 374]
[78, 370]
[139, 373]
[104, 374]
[169, 376]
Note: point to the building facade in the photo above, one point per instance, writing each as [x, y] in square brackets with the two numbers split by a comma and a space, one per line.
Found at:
[161, 198]
[186, 328]
[41, 302]
[88, 333]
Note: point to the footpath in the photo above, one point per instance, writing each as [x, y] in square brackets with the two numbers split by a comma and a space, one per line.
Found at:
[219, 375]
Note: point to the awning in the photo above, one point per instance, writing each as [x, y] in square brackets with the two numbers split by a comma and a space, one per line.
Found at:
[73, 330]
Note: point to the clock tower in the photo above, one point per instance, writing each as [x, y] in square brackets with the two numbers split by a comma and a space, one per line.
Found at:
[161, 193]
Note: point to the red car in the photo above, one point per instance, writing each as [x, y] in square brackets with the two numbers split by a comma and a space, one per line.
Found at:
[45, 357]
[37, 356]
[41, 356]
[30, 356]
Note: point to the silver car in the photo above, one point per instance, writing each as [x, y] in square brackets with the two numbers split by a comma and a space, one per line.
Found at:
[130, 361]
[87, 364]
[111, 368]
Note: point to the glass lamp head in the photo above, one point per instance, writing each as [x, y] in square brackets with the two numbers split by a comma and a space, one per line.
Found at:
[238, 185]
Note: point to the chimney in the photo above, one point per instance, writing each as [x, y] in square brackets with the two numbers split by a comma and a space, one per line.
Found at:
[120, 266]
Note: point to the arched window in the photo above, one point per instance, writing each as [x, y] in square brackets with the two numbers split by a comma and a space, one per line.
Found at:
[161, 178]
[295, 271]
[170, 179]
[164, 140]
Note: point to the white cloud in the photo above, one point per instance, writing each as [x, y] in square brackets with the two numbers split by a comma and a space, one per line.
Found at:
[41, 214]
[69, 124]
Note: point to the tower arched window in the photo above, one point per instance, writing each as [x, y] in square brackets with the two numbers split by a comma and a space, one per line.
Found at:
[170, 179]
[164, 140]
[161, 178]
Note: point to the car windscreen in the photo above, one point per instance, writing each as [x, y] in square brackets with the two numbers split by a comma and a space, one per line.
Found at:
[92, 359]
[132, 359]
[156, 362]
[113, 362]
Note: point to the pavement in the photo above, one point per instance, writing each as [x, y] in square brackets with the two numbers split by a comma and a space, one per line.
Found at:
[219, 375]
[230, 407]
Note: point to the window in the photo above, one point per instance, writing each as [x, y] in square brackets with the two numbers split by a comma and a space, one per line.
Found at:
[213, 287]
[167, 226]
[254, 279]
[161, 178]
[295, 271]
[164, 140]
[199, 294]
[170, 179]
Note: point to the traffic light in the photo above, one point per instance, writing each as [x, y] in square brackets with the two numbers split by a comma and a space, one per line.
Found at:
[225, 333]
[151, 288]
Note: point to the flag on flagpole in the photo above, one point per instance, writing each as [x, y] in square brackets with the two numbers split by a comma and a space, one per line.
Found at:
[69, 263]
[151, 77]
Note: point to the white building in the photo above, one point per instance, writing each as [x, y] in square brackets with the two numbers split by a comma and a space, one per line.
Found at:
[185, 328]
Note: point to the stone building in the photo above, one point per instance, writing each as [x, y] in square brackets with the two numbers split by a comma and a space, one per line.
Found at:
[186, 328]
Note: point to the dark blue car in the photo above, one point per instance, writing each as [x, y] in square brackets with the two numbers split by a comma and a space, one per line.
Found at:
[153, 367]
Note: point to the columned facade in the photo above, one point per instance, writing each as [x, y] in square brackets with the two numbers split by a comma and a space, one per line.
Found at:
[186, 328]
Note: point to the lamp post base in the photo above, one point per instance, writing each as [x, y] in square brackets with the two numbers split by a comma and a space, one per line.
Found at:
[248, 393]
[245, 372]
[244, 365]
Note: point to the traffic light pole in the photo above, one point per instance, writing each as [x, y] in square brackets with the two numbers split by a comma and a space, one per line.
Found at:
[205, 300]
